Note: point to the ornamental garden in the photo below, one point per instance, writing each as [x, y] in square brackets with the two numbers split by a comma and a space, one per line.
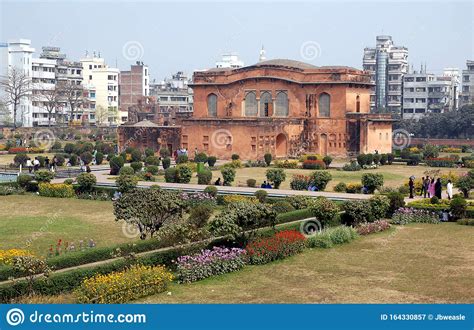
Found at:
[131, 229]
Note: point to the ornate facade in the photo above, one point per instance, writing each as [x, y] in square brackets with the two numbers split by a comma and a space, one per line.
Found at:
[285, 108]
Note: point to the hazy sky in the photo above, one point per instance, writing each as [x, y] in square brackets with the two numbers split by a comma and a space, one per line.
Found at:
[172, 36]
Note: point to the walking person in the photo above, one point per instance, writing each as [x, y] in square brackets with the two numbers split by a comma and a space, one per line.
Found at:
[449, 189]
[46, 163]
[438, 188]
[411, 185]
[36, 164]
[431, 188]
[29, 164]
[423, 191]
[426, 187]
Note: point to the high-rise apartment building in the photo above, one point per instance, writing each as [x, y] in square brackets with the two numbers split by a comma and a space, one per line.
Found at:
[387, 65]
[133, 86]
[467, 85]
[230, 60]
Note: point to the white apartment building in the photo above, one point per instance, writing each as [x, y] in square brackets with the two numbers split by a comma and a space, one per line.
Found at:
[101, 83]
[230, 60]
[425, 93]
[17, 54]
[467, 87]
[387, 65]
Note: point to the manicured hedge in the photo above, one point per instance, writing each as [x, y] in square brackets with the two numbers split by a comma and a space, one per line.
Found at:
[294, 215]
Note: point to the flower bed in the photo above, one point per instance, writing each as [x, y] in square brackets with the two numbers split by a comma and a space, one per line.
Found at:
[372, 227]
[60, 190]
[314, 165]
[120, 287]
[208, 263]
[332, 236]
[440, 162]
[18, 150]
[283, 244]
[7, 256]
[405, 215]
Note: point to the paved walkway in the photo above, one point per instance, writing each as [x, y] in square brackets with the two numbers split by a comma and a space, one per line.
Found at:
[102, 180]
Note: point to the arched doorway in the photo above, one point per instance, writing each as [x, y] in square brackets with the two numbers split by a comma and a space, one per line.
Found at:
[281, 145]
[323, 145]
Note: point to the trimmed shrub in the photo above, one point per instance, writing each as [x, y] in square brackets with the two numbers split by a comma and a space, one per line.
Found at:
[458, 207]
[324, 210]
[383, 159]
[356, 212]
[126, 170]
[136, 155]
[294, 216]
[261, 195]
[228, 174]
[327, 160]
[68, 181]
[377, 158]
[351, 167]
[136, 166]
[87, 157]
[235, 157]
[276, 176]
[300, 182]
[59, 190]
[20, 159]
[282, 207]
[282, 245]
[390, 158]
[166, 163]
[204, 176]
[397, 200]
[200, 158]
[340, 187]
[181, 159]
[149, 152]
[73, 160]
[354, 188]
[152, 160]
[43, 176]
[164, 153]
[321, 240]
[251, 183]
[99, 158]
[69, 148]
[300, 202]
[314, 165]
[126, 183]
[86, 182]
[268, 158]
[123, 286]
[153, 169]
[170, 174]
[211, 160]
[116, 163]
[183, 173]
[379, 206]
[342, 234]
[23, 180]
[320, 179]
[211, 190]
[372, 181]
[406, 215]
[208, 263]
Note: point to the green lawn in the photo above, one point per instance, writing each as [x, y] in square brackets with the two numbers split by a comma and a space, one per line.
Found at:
[42, 221]
[419, 263]
[8, 159]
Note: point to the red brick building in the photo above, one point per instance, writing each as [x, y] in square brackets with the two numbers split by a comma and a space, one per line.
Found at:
[133, 86]
[285, 108]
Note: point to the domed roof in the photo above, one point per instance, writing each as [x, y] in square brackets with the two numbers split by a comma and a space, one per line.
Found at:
[285, 63]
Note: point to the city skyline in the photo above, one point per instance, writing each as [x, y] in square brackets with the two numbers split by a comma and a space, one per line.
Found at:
[168, 43]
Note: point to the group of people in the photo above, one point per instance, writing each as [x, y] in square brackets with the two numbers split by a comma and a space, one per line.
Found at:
[266, 185]
[34, 165]
[430, 187]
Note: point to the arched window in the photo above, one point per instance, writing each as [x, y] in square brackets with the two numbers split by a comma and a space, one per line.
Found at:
[212, 105]
[324, 105]
[251, 109]
[358, 103]
[266, 104]
[281, 104]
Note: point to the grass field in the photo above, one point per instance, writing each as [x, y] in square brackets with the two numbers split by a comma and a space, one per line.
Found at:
[419, 263]
[42, 221]
[8, 159]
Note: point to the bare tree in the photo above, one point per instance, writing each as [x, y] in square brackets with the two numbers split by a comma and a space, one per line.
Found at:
[17, 86]
[101, 115]
[73, 95]
[51, 100]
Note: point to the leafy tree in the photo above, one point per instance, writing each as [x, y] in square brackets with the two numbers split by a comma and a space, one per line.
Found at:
[241, 220]
[276, 176]
[43, 176]
[372, 181]
[149, 209]
[321, 179]
[183, 173]
[166, 163]
[324, 210]
[126, 183]
[327, 160]
[211, 160]
[116, 163]
[228, 174]
[204, 176]
[164, 152]
[200, 158]
[87, 157]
